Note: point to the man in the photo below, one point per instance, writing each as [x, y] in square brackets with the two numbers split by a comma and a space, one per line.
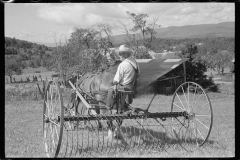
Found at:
[125, 76]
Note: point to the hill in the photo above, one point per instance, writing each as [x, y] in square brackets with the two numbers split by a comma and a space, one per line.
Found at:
[224, 29]
[47, 44]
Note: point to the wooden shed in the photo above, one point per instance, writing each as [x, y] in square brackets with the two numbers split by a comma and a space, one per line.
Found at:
[166, 74]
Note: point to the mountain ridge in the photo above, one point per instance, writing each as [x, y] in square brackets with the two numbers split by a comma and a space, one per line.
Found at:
[223, 29]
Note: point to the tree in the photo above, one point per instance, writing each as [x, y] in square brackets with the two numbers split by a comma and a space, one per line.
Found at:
[61, 60]
[12, 66]
[194, 66]
[143, 30]
[146, 29]
[221, 60]
[88, 47]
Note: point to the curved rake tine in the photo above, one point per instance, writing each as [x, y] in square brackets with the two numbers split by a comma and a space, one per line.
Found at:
[88, 138]
[77, 139]
[52, 134]
[97, 134]
[176, 134]
[92, 131]
[122, 136]
[112, 140]
[159, 133]
[82, 140]
[102, 131]
[195, 129]
[139, 134]
[71, 140]
[67, 144]
[126, 139]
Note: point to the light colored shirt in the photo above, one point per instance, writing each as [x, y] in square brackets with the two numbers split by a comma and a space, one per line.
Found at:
[126, 71]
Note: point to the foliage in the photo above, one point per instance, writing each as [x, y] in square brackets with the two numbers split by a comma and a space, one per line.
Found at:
[86, 50]
[141, 53]
[195, 68]
[31, 54]
[221, 60]
[232, 67]
[12, 66]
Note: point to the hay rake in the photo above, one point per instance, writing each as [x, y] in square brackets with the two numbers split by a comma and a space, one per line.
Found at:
[67, 134]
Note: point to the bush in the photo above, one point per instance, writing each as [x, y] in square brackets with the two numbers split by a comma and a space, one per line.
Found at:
[208, 84]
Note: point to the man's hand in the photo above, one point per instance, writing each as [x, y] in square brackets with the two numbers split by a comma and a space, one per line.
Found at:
[114, 83]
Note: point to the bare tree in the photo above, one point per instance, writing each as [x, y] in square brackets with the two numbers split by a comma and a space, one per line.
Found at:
[142, 30]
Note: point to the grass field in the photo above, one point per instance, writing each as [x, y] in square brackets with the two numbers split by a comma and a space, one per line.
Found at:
[23, 128]
[32, 72]
[23, 125]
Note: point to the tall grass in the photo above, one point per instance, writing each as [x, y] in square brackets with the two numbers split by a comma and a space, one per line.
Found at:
[21, 92]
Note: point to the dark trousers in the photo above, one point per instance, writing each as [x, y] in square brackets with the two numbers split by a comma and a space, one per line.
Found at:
[125, 97]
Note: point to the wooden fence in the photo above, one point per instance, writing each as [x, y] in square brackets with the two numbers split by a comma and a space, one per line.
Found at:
[30, 79]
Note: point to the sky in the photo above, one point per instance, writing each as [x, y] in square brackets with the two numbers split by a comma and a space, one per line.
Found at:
[52, 22]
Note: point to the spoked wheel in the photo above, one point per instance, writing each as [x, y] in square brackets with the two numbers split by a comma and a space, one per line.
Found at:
[53, 113]
[196, 125]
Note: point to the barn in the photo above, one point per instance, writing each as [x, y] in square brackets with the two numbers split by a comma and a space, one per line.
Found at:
[167, 73]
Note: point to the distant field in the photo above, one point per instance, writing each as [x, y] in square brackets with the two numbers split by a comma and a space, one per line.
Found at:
[32, 72]
[45, 73]
[214, 73]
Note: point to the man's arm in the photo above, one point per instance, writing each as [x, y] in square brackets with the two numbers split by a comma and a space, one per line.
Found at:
[118, 76]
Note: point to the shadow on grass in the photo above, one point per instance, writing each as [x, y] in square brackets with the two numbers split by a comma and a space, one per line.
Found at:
[136, 138]
[160, 139]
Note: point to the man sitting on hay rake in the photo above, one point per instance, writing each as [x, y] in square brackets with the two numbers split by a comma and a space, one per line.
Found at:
[125, 78]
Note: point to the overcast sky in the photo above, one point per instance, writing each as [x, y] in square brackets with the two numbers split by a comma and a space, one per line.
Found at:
[43, 22]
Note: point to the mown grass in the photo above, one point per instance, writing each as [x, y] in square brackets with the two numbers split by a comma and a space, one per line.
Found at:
[23, 129]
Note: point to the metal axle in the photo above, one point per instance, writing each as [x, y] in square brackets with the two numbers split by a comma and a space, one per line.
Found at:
[161, 115]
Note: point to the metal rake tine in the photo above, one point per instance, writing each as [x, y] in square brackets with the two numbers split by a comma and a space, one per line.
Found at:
[77, 136]
[72, 141]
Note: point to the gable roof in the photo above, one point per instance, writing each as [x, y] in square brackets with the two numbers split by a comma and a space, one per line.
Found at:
[153, 69]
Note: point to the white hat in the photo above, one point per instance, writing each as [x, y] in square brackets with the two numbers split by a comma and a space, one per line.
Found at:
[124, 49]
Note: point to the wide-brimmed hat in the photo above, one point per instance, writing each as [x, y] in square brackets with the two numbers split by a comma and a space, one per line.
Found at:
[124, 49]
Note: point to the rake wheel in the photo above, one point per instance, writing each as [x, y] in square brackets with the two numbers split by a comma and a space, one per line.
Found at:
[53, 127]
[195, 127]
